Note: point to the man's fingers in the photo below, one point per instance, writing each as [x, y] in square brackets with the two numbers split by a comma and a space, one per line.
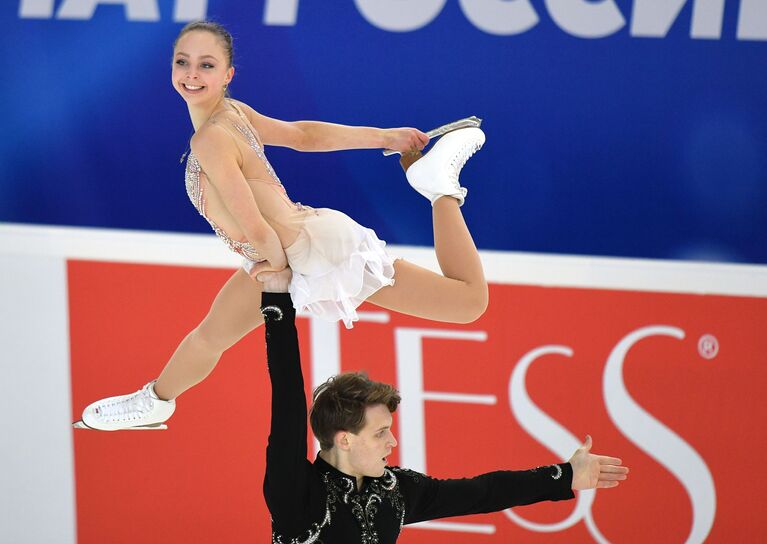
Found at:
[614, 469]
[603, 485]
[605, 460]
[612, 476]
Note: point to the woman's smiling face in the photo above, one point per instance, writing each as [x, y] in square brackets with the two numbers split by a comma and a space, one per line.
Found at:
[201, 67]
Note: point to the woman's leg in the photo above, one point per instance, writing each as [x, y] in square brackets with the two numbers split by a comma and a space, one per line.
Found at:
[460, 296]
[234, 313]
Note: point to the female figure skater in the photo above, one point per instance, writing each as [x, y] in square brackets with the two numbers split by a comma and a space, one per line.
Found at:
[336, 263]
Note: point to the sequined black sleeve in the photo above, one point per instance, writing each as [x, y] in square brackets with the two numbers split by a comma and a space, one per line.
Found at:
[292, 490]
[430, 498]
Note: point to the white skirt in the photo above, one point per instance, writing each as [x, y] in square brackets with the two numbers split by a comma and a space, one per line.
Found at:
[337, 264]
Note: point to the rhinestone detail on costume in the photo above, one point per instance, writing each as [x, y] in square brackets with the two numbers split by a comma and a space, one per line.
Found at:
[194, 191]
[364, 506]
[254, 145]
[274, 311]
[556, 471]
[259, 151]
[311, 534]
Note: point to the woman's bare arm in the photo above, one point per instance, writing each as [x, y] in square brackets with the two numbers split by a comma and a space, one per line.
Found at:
[321, 136]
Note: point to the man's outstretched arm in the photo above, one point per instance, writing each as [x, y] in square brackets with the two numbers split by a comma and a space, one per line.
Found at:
[431, 498]
[287, 482]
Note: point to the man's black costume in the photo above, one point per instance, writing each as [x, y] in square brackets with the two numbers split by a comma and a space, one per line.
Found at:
[314, 502]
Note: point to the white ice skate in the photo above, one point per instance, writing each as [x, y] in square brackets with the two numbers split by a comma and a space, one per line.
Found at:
[436, 173]
[139, 411]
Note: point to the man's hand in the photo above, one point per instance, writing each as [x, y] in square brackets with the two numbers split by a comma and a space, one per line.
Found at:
[595, 471]
[276, 282]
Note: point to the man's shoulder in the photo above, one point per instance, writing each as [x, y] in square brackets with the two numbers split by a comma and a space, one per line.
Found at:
[407, 474]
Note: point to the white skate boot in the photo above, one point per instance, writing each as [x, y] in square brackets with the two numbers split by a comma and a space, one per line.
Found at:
[141, 410]
[436, 173]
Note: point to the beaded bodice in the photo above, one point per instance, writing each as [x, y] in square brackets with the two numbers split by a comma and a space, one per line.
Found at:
[196, 192]
[196, 195]
[344, 503]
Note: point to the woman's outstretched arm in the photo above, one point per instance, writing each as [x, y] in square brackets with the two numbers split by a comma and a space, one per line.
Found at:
[321, 136]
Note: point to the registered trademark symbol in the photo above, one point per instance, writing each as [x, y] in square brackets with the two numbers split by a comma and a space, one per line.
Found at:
[708, 346]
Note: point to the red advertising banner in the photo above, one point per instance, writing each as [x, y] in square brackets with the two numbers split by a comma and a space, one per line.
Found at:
[672, 383]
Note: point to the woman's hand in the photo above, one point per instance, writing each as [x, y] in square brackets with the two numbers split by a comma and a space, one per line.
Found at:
[405, 140]
[276, 282]
[267, 266]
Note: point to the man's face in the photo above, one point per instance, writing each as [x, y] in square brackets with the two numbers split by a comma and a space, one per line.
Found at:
[369, 448]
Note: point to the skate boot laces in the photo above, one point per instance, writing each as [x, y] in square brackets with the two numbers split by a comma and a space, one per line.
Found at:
[130, 408]
[459, 159]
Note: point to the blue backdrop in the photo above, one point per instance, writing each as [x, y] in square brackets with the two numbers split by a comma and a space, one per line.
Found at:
[614, 127]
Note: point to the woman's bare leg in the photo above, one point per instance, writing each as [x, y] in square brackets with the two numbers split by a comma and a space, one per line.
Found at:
[235, 312]
[460, 296]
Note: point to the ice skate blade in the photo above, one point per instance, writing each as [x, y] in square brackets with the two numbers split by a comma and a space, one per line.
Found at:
[444, 129]
[155, 427]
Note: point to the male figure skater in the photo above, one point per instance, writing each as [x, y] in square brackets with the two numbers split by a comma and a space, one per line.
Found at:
[349, 494]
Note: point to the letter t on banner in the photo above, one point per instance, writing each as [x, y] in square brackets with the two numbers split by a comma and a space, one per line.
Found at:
[325, 339]
[412, 424]
[190, 10]
[135, 10]
[36, 9]
[281, 12]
